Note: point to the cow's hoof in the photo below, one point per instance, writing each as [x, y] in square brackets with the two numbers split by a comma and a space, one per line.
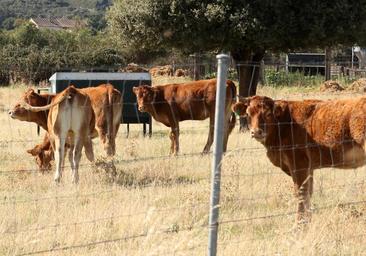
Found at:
[174, 154]
[300, 227]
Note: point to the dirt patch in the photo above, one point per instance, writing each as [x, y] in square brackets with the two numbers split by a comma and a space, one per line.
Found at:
[331, 86]
[358, 85]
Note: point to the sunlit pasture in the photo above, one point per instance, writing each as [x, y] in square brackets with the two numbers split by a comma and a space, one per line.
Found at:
[148, 203]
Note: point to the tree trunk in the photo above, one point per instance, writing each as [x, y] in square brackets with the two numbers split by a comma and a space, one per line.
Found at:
[248, 67]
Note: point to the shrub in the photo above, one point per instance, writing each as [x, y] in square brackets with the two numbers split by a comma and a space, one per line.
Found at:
[283, 78]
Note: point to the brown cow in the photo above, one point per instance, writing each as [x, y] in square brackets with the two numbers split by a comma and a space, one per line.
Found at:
[301, 136]
[43, 153]
[33, 99]
[70, 118]
[106, 103]
[172, 103]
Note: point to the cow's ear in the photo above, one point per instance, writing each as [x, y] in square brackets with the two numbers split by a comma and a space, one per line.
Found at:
[240, 108]
[277, 110]
[33, 151]
[30, 91]
[135, 89]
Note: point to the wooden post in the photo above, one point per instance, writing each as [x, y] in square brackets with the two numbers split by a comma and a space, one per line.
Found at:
[328, 54]
[196, 71]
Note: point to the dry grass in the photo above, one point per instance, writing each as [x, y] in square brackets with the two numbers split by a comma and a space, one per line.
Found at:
[152, 204]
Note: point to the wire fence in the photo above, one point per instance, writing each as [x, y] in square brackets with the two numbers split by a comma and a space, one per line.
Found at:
[147, 202]
[274, 70]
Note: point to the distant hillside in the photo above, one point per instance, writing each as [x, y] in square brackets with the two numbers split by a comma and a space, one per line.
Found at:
[91, 10]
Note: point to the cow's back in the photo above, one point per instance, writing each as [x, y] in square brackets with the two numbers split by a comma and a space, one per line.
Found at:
[72, 114]
[334, 121]
[98, 96]
[328, 133]
[188, 101]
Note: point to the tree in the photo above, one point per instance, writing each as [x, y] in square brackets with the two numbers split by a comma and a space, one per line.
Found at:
[30, 55]
[245, 28]
[29, 34]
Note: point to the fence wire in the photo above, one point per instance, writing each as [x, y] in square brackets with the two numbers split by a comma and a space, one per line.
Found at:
[157, 204]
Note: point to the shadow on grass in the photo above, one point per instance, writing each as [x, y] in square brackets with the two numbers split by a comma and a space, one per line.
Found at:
[133, 178]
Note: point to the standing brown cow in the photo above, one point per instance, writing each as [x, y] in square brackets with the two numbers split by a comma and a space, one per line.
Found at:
[172, 103]
[301, 136]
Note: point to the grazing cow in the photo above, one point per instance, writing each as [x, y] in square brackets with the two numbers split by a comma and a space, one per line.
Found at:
[70, 118]
[172, 103]
[301, 136]
[107, 106]
[43, 153]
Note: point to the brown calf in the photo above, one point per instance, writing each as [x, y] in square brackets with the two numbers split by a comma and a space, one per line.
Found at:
[43, 154]
[172, 103]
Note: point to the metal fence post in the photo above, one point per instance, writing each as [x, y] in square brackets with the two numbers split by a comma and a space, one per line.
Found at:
[222, 67]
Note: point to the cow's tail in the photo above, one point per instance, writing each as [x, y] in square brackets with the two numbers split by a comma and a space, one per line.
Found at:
[232, 120]
[46, 107]
[109, 116]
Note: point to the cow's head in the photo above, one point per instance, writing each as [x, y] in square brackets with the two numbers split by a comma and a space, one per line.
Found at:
[32, 98]
[262, 114]
[144, 96]
[43, 157]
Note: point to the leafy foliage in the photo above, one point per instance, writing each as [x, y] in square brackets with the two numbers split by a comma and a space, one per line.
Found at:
[282, 78]
[227, 25]
[31, 55]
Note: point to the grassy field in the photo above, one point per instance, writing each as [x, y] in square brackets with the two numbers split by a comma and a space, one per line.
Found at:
[158, 205]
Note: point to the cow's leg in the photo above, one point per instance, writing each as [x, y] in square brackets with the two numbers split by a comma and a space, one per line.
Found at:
[174, 138]
[59, 157]
[303, 185]
[71, 156]
[113, 140]
[230, 122]
[210, 138]
[101, 124]
[88, 145]
[227, 129]
[76, 156]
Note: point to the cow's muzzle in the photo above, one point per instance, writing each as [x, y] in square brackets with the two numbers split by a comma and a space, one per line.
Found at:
[141, 108]
[258, 134]
[11, 114]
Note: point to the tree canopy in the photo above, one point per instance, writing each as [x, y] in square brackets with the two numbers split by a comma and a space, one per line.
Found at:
[227, 25]
[245, 28]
